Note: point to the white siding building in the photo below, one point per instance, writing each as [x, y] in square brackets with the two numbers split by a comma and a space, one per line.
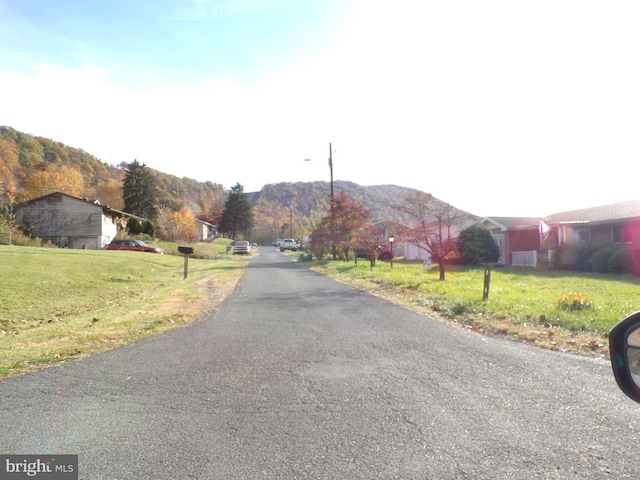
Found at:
[70, 222]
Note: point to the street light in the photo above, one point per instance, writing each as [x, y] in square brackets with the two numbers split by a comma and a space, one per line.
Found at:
[391, 239]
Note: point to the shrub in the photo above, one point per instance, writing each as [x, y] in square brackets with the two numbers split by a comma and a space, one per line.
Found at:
[600, 259]
[620, 262]
[634, 255]
[134, 226]
[149, 228]
[574, 257]
[318, 250]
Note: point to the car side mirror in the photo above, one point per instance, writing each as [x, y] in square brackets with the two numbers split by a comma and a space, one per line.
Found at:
[624, 348]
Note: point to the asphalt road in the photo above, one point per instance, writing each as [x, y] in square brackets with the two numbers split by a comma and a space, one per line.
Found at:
[300, 377]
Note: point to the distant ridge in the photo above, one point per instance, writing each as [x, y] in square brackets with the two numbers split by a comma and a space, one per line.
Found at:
[309, 197]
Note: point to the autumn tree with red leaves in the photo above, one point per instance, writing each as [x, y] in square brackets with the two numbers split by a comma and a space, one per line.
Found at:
[368, 240]
[338, 230]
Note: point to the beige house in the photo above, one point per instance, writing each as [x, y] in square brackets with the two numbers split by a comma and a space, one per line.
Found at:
[70, 222]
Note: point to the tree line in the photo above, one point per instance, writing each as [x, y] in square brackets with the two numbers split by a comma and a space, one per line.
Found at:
[31, 167]
[140, 194]
[35, 166]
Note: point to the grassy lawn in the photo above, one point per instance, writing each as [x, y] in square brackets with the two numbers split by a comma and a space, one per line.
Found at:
[58, 304]
[558, 310]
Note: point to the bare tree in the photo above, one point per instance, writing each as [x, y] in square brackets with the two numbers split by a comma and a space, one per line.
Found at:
[435, 226]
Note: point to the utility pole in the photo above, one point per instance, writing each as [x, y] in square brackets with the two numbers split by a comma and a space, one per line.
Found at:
[290, 221]
[333, 245]
[331, 168]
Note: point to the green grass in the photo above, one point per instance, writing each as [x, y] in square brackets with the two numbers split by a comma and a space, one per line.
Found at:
[58, 304]
[577, 302]
[204, 250]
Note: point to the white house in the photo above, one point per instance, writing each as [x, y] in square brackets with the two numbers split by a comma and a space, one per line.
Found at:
[206, 230]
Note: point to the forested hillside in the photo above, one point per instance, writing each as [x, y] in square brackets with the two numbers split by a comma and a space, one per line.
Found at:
[302, 204]
[33, 166]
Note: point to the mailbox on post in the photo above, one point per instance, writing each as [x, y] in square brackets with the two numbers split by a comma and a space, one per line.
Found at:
[187, 251]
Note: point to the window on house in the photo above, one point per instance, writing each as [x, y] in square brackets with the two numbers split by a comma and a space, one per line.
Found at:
[621, 234]
[583, 235]
[616, 234]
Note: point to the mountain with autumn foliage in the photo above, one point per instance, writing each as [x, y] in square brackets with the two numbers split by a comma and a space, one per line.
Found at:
[32, 166]
[286, 208]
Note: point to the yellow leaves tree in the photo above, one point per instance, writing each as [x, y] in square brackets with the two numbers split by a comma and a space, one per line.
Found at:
[181, 226]
[7, 183]
[109, 192]
[8, 164]
[9, 153]
[65, 179]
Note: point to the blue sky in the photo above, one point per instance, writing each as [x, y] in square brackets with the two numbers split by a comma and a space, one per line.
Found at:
[499, 107]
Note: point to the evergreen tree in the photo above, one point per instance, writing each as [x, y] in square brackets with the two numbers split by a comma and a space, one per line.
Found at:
[140, 191]
[477, 246]
[237, 216]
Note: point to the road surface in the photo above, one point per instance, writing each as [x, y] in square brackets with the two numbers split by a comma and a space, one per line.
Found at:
[300, 377]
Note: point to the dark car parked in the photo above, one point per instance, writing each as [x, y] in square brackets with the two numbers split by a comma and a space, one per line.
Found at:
[384, 253]
[134, 246]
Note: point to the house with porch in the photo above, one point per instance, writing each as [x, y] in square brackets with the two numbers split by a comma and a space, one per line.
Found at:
[71, 222]
[599, 226]
[529, 242]
[518, 239]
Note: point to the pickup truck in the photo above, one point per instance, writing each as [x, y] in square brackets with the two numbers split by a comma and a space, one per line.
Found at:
[288, 244]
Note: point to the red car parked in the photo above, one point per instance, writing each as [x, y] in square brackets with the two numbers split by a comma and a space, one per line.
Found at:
[133, 245]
